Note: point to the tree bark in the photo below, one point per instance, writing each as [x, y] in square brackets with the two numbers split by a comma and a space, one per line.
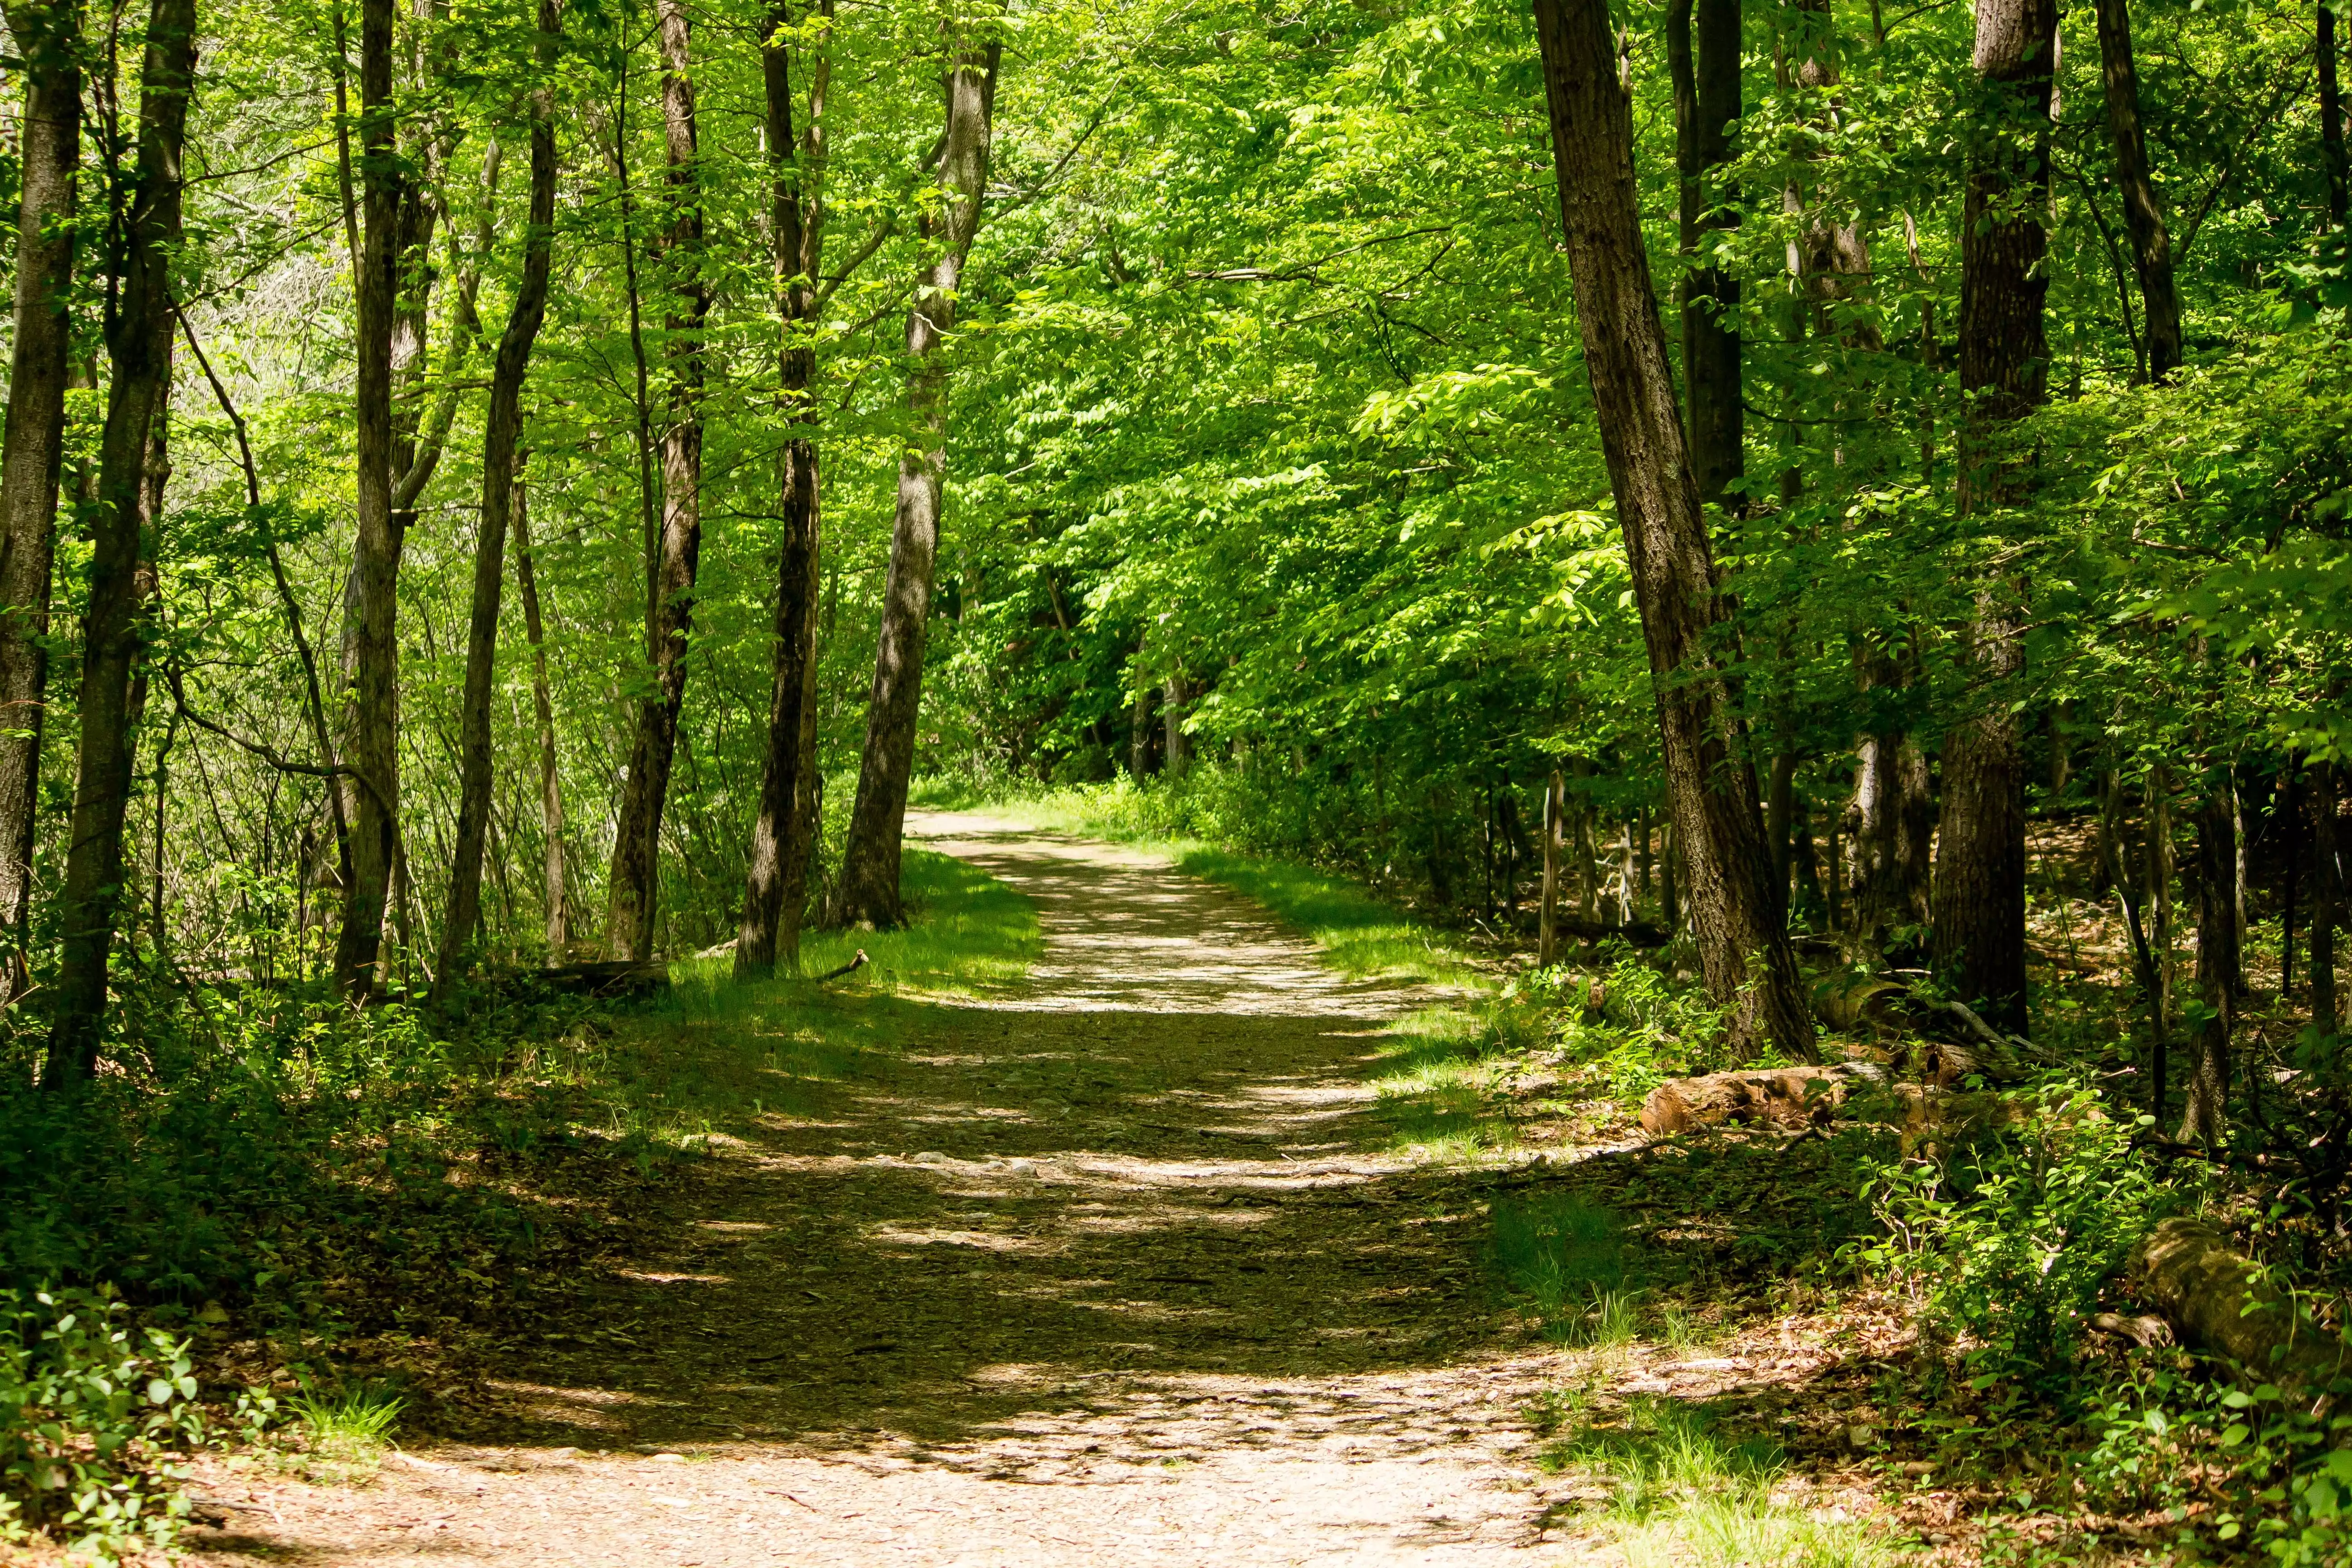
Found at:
[775, 889]
[1979, 892]
[1743, 938]
[636, 843]
[139, 345]
[2207, 1116]
[869, 868]
[49, 38]
[2331, 117]
[543, 701]
[371, 749]
[501, 435]
[2152, 243]
[1704, 62]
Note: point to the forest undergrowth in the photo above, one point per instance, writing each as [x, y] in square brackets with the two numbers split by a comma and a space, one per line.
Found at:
[291, 1222]
[1957, 1274]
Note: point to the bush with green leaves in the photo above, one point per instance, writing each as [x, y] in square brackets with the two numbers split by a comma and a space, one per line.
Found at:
[92, 1418]
[2011, 1234]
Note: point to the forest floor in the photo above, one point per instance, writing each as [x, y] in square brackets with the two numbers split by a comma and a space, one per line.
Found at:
[1125, 1262]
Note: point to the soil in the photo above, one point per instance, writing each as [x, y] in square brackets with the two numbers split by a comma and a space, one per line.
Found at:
[1118, 1265]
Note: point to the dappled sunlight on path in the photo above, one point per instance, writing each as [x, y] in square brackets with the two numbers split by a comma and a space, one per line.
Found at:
[1115, 1265]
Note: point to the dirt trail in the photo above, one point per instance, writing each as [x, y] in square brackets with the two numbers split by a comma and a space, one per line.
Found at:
[1111, 1268]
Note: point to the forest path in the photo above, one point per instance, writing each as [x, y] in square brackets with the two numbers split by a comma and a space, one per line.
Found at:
[1115, 1266]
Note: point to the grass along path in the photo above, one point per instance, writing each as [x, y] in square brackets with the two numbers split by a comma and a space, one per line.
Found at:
[1114, 1256]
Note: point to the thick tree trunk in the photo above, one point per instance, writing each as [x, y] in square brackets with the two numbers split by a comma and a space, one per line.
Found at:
[543, 701]
[775, 890]
[140, 347]
[636, 843]
[48, 38]
[2151, 243]
[371, 749]
[1704, 62]
[2208, 1113]
[2331, 117]
[1980, 892]
[501, 434]
[869, 866]
[1742, 936]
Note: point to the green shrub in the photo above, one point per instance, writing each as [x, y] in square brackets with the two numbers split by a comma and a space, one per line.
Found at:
[2013, 1233]
[90, 1422]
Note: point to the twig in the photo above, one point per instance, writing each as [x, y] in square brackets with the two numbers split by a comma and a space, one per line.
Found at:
[852, 967]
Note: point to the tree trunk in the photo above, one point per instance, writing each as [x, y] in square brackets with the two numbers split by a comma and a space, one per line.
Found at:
[1780, 815]
[1548, 929]
[1979, 888]
[2207, 1114]
[139, 348]
[2157, 870]
[1175, 745]
[776, 888]
[2151, 243]
[501, 434]
[1742, 937]
[1894, 820]
[636, 843]
[2331, 117]
[869, 868]
[1139, 745]
[1704, 62]
[543, 701]
[2326, 897]
[49, 38]
[371, 750]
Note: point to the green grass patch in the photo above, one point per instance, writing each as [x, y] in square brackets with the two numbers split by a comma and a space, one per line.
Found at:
[1681, 1493]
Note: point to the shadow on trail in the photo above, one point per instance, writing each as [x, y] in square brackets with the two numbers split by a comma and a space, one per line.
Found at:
[1151, 1175]
[1142, 1208]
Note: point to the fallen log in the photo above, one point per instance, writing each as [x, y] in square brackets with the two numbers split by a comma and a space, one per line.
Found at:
[607, 977]
[1786, 1097]
[2219, 1301]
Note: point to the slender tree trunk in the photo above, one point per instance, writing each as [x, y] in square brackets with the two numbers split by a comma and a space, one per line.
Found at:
[2238, 888]
[1742, 936]
[2156, 871]
[775, 890]
[636, 861]
[1894, 820]
[49, 38]
[501, 435]
[2331, 117]
[2208, 1114]
[139, 344]
[869, 868]
[543, 701]
[372, 749]
[2326, 895]
[1175, 745]
[2152, 243]
[1139, 745]
[1704, 62]
[1555, 811]
[1979, 892]
[1780, 815]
